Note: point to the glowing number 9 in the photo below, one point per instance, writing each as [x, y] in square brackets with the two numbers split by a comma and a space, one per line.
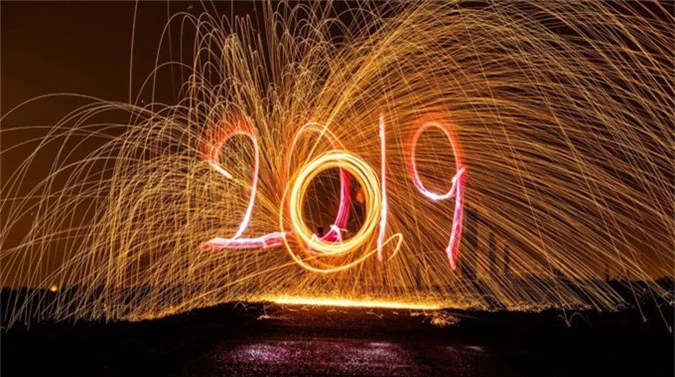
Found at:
[456, 190]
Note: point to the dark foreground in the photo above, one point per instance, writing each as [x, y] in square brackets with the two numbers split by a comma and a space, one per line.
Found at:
[233, 340]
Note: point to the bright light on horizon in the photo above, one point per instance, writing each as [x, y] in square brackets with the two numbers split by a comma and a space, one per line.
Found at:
[352, 303]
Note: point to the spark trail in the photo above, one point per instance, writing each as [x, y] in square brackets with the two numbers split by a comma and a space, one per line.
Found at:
[416, 134]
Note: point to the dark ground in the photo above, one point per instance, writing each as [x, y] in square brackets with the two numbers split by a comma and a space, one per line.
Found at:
[233, 340]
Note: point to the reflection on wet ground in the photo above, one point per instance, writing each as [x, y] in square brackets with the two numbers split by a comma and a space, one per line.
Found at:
[359, 342]
[335, 356]
[287, 341]
[330, 356]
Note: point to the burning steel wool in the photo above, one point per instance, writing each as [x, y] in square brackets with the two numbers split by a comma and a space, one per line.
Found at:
[488, 156]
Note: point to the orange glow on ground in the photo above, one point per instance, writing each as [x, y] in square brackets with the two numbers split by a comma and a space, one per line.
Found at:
[320, 301]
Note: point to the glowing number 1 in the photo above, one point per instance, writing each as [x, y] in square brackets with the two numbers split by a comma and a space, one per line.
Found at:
[385, 210]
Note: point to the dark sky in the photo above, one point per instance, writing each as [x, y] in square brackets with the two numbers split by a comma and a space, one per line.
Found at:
[83, 47]
[66, 47]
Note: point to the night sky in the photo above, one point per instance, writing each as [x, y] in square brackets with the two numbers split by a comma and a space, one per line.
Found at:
[79, 47]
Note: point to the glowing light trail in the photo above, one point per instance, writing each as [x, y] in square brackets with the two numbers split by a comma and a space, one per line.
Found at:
[363, 173]
[273, 239]
[456, 190]
[332, 243]
[385, 205]
[318, 301]
[229, 129]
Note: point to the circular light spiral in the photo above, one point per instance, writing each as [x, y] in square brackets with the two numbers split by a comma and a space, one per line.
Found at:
[366, 177]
